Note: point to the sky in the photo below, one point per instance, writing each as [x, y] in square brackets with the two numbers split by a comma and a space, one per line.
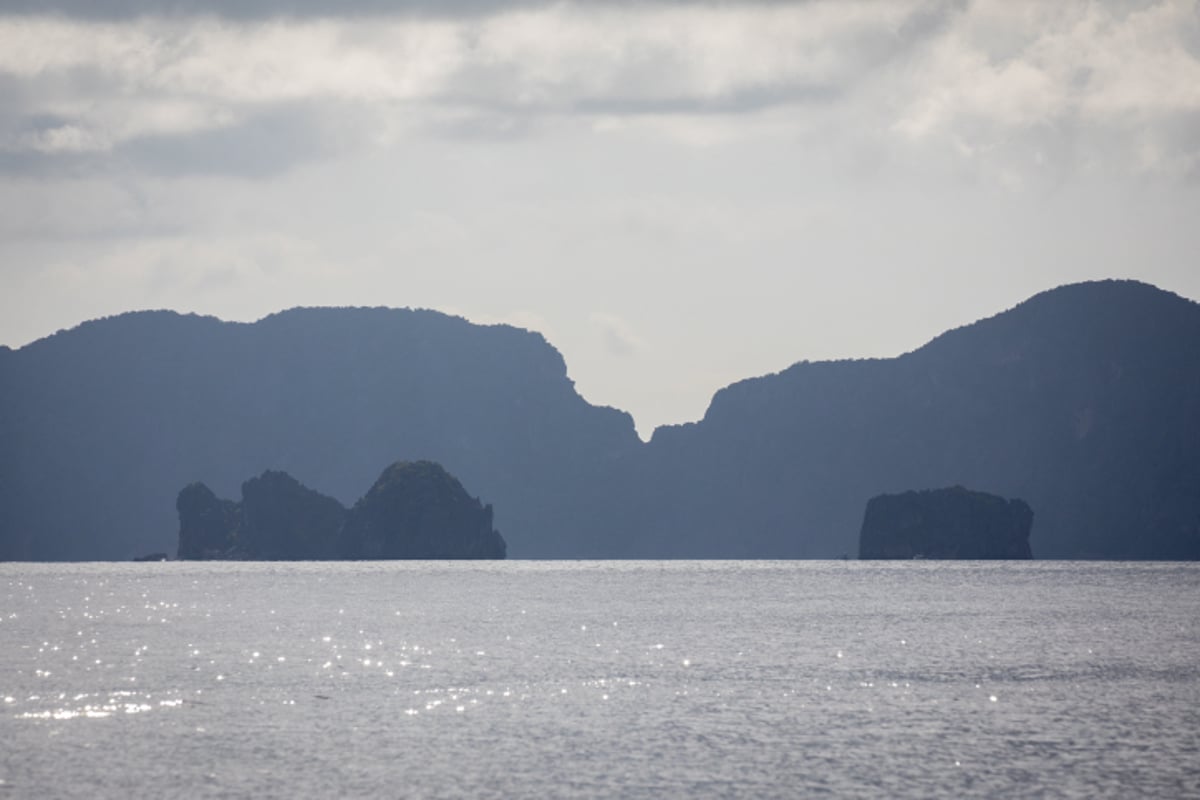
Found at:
[678, 195]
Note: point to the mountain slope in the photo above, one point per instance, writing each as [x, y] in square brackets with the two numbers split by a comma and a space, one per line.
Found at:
[103, 424]
[1083, 401]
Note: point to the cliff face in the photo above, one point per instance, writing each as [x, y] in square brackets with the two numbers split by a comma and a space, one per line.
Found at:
[208, 525]
[278, 519]
[945, 523]
[413, 511]
[282, 519]
[418, 510]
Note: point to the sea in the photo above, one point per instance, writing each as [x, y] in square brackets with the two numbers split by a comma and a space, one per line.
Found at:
[600, 679]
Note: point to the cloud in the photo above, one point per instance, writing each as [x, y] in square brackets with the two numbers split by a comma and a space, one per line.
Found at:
[616, 334]
[768, 163]
[108, 88]
[84, 86]
[1094, 86]
[266, 143]
[255, 88]
[258, 9]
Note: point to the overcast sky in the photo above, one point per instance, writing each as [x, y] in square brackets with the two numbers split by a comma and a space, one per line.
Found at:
[678, 195]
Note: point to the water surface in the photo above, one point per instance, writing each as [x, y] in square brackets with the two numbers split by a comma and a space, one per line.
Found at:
[631, 679]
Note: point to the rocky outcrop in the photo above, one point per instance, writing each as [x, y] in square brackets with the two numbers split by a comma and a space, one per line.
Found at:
[414, 510]
[945, 523]
[282, 519]
[418, 510]
[208, 525]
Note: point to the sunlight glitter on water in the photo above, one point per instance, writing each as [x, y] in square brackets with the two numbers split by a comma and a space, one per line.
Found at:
[698, 670]
[119, 702]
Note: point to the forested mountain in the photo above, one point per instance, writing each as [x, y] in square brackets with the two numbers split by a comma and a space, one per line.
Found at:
[1083, 401]
[102, 425]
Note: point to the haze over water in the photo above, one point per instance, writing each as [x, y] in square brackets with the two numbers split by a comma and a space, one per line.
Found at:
[600, 679]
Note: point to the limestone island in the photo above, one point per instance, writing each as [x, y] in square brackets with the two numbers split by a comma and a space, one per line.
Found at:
[415, 510]
[954, 523]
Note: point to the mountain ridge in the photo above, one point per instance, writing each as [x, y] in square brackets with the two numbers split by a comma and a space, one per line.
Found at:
[325, 394]
[996, 404]
[1079, 399]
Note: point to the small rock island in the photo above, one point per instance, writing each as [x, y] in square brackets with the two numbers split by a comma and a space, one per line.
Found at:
[954, 523]
[415, 510]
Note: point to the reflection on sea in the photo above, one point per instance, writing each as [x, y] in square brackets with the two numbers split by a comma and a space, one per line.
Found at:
[760, 678]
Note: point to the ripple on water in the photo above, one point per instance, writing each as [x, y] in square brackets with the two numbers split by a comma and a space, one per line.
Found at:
[631, 679]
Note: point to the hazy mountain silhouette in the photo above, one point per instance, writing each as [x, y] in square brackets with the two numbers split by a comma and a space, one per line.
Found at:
[101, 425]
[1082, 400]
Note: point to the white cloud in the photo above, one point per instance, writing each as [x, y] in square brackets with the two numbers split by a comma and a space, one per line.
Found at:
[62, 139]
[1113, 81]
[985, 80]
[113, 82]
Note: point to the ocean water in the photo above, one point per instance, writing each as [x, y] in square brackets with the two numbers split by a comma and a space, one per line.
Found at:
[600, 679]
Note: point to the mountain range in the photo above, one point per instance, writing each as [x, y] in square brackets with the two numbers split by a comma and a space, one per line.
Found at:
[1082, 401]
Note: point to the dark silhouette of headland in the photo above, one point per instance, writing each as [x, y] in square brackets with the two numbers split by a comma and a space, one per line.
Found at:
[414, 510]
[945, 523]
[1082, 401]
